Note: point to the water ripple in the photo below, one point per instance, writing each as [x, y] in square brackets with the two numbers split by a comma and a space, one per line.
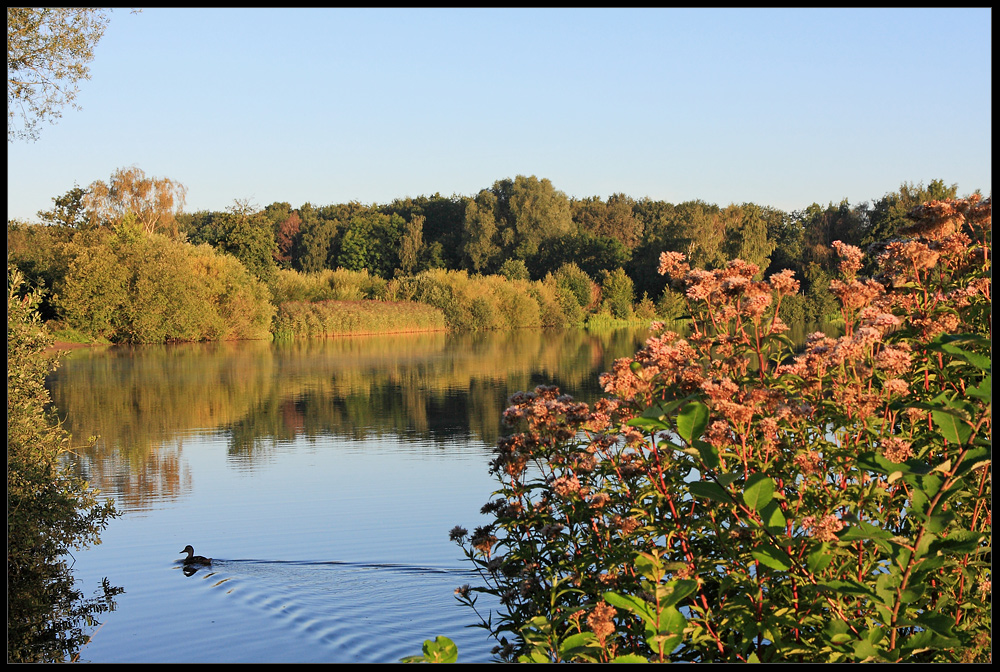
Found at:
[370, 612]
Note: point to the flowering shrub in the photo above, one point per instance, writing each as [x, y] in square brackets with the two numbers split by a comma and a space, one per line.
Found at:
[732, 499]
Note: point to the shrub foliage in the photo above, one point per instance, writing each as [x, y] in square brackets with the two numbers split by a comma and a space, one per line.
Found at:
[732, 499]
[49, 509]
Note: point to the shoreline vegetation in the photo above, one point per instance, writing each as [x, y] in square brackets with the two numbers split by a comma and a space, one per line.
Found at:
[519, 254]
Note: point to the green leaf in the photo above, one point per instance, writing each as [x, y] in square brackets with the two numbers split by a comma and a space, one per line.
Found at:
[911, 594]
[773, 518]
[927, 640]
[649, 566]
[975, 457]
[977, 360]
[960, 542]
[939, 623]
[629, 658]
[951, 426]
[863, 530]
[667, 632]
[709, 454]
[675, 591]
[885, 587]
[637, 606]
[692, 420]
[864, 650]
[758, 492]
[982, 391]
[846, 587]
[578, 645]
[648, 424]
[439, 650]
[772, 557]
[939, 521]
[709, 490]
[661, 412]
[819, 559]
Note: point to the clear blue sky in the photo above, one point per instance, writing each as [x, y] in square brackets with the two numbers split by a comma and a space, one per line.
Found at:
[779, 107]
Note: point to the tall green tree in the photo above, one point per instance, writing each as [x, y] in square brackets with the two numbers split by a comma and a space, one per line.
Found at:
[411, 244]
[888, 214]
[617, 293]
[593, 254]
[747, 233]
[614, 219]
[700, 229]
[69, 210]
[245, 233]
[538, 212]
[480, 239]
[371, 242]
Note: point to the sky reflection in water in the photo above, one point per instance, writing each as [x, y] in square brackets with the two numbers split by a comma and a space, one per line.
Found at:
[324, 476]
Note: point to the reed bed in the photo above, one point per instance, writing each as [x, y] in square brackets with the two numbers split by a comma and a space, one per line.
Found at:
[305, 319]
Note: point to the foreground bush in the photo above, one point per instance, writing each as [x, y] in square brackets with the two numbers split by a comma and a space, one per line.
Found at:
[49, 509]
[733, 500]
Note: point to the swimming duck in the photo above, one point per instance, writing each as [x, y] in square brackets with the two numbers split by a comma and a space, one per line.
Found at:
[193, 559]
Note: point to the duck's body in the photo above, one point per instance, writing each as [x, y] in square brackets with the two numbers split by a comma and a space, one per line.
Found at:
[193, 559]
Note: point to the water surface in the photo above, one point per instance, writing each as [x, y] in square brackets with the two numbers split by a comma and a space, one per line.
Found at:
[322, 476]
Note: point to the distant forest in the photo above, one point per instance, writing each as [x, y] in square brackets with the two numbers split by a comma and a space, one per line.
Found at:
[109, 237]
[528, 220]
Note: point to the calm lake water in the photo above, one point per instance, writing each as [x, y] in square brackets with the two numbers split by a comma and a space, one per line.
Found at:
[322, 476]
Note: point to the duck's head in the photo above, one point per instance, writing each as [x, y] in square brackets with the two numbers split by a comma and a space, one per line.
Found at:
[189, 549]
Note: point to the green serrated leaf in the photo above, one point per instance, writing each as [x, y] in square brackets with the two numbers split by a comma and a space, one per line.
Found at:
[951, 426]
[864, 530]
[677, 590]
[977, 360]
[959, 542]
[982, 391]
[725, 480]
[637, 606]
[864, 650]
[939, 521]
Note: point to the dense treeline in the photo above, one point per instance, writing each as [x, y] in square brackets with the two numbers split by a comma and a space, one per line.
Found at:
[520, 253]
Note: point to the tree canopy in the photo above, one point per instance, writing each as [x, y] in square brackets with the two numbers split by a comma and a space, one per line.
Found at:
[48, 49]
